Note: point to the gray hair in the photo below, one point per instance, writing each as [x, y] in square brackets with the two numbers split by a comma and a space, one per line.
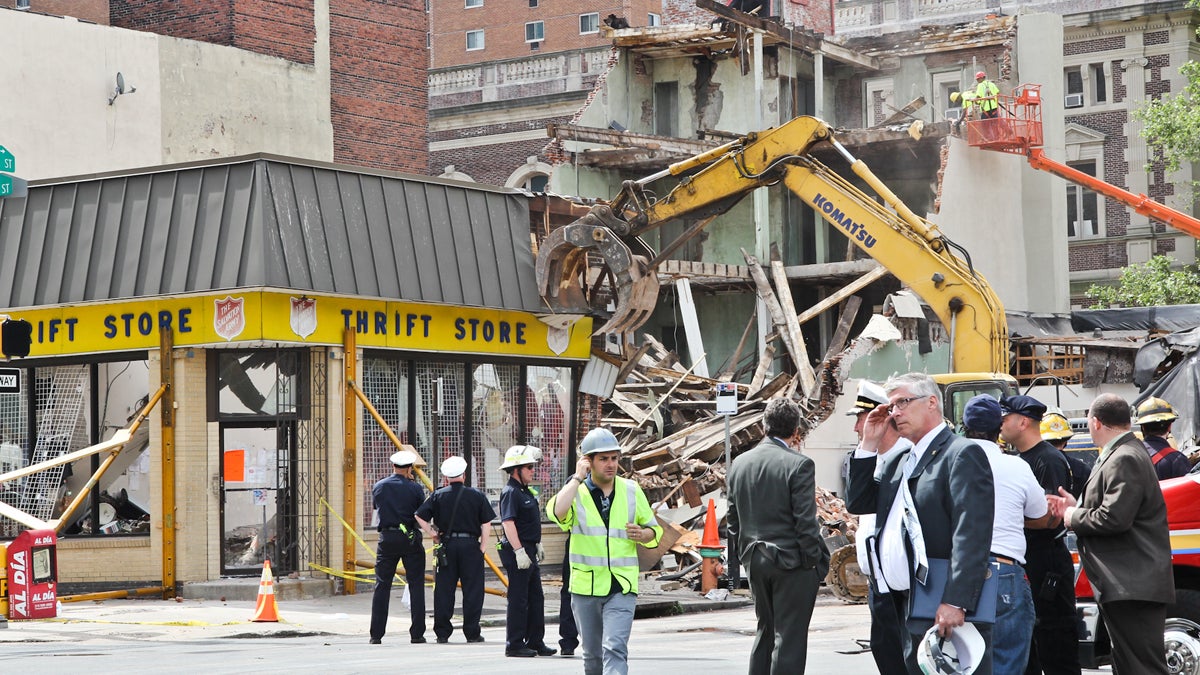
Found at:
[782, 417]
[918, 384]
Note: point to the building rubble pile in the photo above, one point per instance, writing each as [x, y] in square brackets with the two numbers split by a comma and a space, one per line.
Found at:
[665, 417]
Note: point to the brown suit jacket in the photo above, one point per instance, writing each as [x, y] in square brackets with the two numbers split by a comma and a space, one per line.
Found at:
[1121, 524]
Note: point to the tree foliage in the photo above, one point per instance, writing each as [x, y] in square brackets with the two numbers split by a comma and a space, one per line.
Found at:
[1149, 284]
[1172, 123]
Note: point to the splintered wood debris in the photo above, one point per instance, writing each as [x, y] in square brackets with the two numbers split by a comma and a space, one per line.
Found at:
[665, 417]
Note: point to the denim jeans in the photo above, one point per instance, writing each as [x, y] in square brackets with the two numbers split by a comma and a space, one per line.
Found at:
[604, 625]
[1014, 620]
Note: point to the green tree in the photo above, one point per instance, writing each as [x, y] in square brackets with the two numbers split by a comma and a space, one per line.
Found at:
[1149, 284]
[1172, 123]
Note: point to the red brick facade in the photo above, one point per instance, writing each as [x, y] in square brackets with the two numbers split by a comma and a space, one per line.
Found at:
[282, 28]
[95, 11]
[378, 84]
[503, 25]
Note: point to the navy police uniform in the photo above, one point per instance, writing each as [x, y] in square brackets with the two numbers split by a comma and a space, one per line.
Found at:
[464, 560]
[526, 617]
[1051, 574]
[397, 499]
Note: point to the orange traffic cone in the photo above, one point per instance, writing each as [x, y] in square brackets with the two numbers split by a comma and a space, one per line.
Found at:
[710, 550]
[266, 609]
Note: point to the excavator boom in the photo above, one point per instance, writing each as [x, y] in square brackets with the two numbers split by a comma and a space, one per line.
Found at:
[911, 248]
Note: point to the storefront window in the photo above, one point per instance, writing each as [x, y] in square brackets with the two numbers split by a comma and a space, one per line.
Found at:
[75, 406]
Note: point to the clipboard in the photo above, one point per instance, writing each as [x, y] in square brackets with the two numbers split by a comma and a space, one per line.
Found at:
[926, 597]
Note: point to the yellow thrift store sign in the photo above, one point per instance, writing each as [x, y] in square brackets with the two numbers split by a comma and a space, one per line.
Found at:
[263, 315]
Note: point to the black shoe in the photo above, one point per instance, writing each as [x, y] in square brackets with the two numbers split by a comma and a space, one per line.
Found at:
[442, 641]
[376, 641]
[523, 652]
[545, 651]
[477, 638]
[567, 652]
[418, 640]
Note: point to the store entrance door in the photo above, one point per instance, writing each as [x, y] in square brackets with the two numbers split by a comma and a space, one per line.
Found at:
[256, 461]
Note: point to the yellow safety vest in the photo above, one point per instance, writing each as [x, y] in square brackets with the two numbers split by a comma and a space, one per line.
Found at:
[599, 554]
[982, 91]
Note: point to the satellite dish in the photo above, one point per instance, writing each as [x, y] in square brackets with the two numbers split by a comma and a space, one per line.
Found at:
[120, 83]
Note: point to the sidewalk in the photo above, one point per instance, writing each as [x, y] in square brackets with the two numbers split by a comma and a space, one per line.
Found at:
[335, 615]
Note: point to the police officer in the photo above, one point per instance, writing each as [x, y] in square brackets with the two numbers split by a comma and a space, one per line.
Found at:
[455, 516]
[397, 498]
[521, 553]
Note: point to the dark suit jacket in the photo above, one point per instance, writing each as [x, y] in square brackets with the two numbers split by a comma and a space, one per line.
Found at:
[954, 497]
[1121, 524]
[772, 506]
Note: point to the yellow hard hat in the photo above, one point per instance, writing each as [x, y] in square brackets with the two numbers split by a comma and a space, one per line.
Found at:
[1155, 410]
[954, 96]
[1055, 427]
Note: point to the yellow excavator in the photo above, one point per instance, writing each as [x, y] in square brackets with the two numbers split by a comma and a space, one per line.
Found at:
[911, 248]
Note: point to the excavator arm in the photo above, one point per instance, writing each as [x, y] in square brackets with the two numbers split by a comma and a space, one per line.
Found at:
[911, 248]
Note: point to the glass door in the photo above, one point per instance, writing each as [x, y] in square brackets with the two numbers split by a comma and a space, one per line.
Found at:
[253, 458]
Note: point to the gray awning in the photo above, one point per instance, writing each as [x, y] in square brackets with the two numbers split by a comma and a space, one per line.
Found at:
[266, 221]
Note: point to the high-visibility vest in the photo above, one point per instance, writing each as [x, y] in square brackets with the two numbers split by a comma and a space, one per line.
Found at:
[982, 91]
[599, 554]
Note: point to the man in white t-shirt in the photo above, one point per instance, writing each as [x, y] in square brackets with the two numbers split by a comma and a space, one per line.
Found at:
[1020, 503]
[887, 646]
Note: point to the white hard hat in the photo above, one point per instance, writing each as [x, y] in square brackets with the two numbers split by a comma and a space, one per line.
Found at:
[405, 458]
[599, 440]
[520, 455]
[958, 655]
[454, 467]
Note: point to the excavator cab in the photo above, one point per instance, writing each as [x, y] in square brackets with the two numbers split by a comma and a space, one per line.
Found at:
[958, 388]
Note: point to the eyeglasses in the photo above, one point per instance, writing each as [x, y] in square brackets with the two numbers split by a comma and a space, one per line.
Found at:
[902, 403]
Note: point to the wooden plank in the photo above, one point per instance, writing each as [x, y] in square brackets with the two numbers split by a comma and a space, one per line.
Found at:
[842, 332]
[764, 364]
[846, 291]
[772, 302]
[807, 379]
[631, 362]
[691, 326]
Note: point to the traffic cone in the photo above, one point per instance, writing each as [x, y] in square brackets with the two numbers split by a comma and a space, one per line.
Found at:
[710, 550]
[266, 609]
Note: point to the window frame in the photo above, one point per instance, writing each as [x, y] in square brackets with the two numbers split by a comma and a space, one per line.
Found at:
[540, 31]
[472, 4]
[596, 25]
[653, 20]
[482, 40]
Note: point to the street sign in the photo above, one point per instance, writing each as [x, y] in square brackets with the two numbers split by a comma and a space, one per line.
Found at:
[11, 186]
[8, 163]
[726, 398]
[10, 380]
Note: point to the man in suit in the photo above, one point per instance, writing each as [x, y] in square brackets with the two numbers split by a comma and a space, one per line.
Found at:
[1124, 543]
[946, 511]
[773, 516]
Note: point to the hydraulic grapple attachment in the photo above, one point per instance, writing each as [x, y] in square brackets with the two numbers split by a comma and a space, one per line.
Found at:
[562, 270]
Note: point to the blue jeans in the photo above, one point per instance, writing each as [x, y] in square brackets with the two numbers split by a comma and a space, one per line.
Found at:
[604, 625]
[1014, 620]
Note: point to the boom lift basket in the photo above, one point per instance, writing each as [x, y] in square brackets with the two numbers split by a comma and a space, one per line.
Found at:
[1018, 127]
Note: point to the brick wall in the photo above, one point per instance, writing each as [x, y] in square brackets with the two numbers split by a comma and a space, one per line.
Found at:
[282, 28]
[685, 11]
[1103, 44]
[95, 11]
[378, 84]
[490, 164]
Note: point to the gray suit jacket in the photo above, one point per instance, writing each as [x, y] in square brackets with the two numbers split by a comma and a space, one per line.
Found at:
[772, 506]
[1121, 524]
[954, 497]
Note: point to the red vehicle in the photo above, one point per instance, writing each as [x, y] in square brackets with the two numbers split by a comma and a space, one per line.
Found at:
[1182, 635]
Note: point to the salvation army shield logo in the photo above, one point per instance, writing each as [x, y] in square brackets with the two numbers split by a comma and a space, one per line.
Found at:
[229, 319]
[304, 316]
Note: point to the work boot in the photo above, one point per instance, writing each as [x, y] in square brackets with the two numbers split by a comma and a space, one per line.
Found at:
[545, 651]
[523, 652]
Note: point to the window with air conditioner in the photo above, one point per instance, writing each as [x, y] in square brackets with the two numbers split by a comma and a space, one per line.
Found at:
[535, 31]
[589, 23]
[1073, 87]
[474, 40]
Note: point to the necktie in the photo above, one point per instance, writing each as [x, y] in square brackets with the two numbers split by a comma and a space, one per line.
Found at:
[912, 525]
